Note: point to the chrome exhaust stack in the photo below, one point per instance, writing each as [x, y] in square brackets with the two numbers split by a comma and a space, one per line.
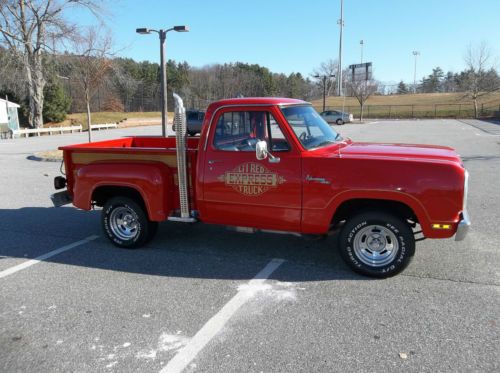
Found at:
[180, 137]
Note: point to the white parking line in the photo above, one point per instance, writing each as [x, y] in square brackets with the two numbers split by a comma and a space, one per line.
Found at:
[41, 258]
[217, 322]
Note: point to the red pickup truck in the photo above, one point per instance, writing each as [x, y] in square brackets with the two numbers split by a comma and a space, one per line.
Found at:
[273, 164]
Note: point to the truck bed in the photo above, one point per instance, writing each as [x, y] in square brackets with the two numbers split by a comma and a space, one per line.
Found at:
[130, 150]
[135, 143]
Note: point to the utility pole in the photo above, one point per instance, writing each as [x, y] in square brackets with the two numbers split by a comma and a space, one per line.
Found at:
[361, 42]
[415, 53]
[341, 24]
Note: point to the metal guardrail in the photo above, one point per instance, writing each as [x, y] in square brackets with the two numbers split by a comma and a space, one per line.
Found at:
[50, 130]
[60, 130]
[104, 126]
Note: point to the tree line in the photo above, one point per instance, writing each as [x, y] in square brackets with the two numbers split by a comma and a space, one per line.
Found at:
[52, 66]
[478, 80]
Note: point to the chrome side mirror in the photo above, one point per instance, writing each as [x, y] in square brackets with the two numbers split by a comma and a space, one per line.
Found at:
[261, 150]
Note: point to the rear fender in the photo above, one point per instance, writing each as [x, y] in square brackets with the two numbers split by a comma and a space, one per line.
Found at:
[153, 181]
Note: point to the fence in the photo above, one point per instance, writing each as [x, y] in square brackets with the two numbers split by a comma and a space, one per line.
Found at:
[104, 126]
[50, 130]
[419, 110]
[60, 130]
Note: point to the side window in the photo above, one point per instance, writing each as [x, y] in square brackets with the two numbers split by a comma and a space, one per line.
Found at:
[277, 139]
[240, 131]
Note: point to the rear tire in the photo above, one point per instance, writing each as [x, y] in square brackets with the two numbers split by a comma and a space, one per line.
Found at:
[377, 244]
[125, 223]
[339, 122]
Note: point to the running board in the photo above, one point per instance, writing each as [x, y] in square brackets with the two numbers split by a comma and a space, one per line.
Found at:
[182, 220]
[256, 230]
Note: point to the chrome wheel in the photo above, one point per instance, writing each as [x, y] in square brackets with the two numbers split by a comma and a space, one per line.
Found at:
[375, 246]
[124, 223]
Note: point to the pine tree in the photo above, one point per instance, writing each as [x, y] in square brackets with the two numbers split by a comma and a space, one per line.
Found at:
[56, 104]
[402, 88]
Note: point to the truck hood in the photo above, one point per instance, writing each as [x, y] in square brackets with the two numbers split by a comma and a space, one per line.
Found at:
[400, 151]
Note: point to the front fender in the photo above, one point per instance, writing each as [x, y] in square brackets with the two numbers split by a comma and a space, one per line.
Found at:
[154, 182]
[322, 217]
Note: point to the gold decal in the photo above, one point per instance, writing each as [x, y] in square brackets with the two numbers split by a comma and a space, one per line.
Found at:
[251, 179]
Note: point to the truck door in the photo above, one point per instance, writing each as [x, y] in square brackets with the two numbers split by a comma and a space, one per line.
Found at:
[240, 190]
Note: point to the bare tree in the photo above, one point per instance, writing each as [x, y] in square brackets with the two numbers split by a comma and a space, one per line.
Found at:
[126, 85]
[362, 89]
[30, 27]
[480, 78]
[11, 74]
[327, 69]
[91, 64]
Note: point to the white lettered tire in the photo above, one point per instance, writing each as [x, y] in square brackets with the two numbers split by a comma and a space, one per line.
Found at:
[125, 223]
[377, 244]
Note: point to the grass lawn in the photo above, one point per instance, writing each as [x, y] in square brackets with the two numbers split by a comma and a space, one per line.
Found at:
[409, 99]
[413, 105]
[105, 117]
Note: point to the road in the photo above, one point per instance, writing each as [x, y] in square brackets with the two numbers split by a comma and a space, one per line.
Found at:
[200, 298]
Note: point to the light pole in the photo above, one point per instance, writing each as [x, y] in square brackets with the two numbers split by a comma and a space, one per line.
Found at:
[340, 22]
[163, 36]
[324, 77]
[69, 86]
[415, 53]
[362, 43]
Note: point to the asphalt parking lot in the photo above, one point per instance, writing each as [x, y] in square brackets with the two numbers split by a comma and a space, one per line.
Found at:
[205, 299]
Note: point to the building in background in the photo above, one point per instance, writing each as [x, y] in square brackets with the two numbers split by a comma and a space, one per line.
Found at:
[8, 115]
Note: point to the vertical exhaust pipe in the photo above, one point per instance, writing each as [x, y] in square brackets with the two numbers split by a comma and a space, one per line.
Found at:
[180, 136]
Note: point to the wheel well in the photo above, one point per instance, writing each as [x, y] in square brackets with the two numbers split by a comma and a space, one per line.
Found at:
[102, 194]
[355, 206]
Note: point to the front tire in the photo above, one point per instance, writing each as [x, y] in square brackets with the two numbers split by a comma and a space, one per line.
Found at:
[125, 223]
[377, 244]
[339, 122]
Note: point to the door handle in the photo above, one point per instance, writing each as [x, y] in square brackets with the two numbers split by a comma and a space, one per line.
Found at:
[212, 161]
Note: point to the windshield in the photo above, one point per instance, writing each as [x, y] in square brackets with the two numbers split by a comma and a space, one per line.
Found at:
[311, 130]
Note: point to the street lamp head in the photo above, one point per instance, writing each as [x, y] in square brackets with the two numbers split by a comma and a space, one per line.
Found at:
[324, 76]
[143, 31]
[181, 28]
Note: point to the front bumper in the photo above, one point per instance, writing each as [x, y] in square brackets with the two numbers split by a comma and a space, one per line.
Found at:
[463, 227]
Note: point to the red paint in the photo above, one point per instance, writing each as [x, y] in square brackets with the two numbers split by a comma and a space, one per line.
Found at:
[233, 188]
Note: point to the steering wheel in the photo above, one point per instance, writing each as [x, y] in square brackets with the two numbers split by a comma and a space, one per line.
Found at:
[247, 144]
[303, 137]
[251, 142]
